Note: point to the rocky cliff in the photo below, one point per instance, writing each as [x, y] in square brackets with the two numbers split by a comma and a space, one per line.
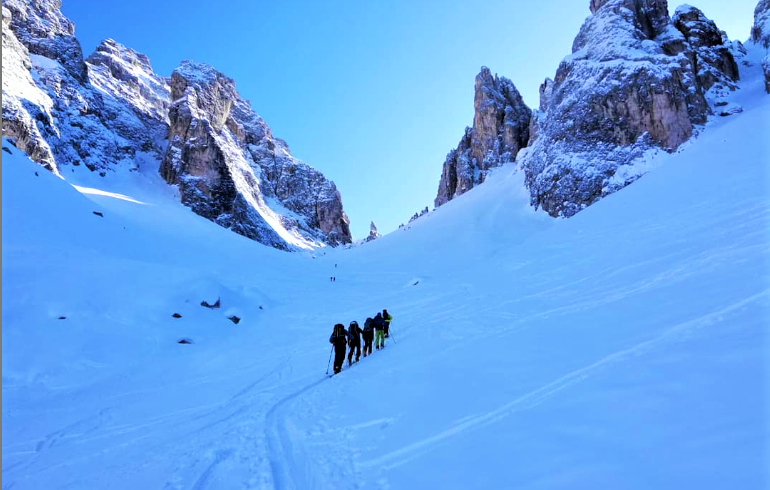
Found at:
[50, 106]
[760, 35]
[111, 110]
[500, 129]
[636, 80]
[373, 233]
[228, 166]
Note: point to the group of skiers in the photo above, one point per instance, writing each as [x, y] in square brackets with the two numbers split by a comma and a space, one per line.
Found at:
[375, 329]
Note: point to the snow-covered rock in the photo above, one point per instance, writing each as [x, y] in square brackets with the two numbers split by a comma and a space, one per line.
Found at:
[113, 111]
[629, 85]
[760, 35]
[636, 81]
[227, 166]
[500, 129]
[715, 64]
[62, 118]
[373, 233]
[23, 100]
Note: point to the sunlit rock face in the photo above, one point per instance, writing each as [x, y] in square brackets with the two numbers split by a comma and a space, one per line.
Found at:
[112, 111]
[500, 129]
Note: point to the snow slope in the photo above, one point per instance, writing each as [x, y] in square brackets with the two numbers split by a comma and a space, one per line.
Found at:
[623, 348]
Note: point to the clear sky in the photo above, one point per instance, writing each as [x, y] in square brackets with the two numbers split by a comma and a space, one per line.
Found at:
[372, 93]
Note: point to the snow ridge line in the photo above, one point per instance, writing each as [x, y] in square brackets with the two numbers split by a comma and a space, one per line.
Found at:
[535, 397]
[282, 462]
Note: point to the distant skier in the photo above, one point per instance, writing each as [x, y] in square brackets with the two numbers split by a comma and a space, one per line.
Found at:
[354, 341]
[368, 335]
[339, 339]
[387, 317]
[379, 332]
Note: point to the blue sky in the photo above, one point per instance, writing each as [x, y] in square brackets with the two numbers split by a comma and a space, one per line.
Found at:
[372, 93]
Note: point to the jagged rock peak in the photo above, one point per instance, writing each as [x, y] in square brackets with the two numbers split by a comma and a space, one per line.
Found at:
[373, 233]
[119, 70]
[630, 85]
[715, 63]
[45, 31]
[110, 48]
[224, 160]
[500, 129]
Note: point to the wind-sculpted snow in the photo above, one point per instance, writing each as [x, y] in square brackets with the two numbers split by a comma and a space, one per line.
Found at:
[112, 111]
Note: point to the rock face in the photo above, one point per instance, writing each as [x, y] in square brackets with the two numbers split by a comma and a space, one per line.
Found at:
[50, 106]
[227, 164]
[634, 82]
[715, 64]
[112, 111]
[500, 129]
[24, 102]
[760, 35]
[373, 233]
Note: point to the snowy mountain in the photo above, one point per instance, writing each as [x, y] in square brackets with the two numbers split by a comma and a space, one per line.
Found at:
[637, 81]
[623, 348]
[111, 110]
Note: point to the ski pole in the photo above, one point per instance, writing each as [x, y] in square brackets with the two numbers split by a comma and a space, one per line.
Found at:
[330, 360]
[390, 334]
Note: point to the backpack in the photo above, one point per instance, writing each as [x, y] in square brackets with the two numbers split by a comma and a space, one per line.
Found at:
[354, 329]
[368, 325]
[339, 331]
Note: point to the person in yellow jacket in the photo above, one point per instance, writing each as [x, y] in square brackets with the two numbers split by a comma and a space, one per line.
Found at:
[387, 317]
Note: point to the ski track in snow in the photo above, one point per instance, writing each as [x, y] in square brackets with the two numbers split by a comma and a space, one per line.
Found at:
[286, 458]
[533, 398]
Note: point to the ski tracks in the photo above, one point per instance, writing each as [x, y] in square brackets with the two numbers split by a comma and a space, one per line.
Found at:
[676, 333]
[288, 463]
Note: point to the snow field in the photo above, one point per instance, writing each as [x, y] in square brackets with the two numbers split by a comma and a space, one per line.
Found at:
[625, 347]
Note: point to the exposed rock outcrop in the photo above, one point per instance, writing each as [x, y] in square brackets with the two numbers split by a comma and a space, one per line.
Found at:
[50, 106]
[120, 71]
[760, 31]
[760, 35]
[23, 101]
[632, 83]
[500, 129]
[41, 27]
[711, 56]
[112, 111]
[373, 233]
[226, 163]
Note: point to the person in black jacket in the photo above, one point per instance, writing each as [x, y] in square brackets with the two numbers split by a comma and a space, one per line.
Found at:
[368, 335]
[379, 332]
[354, 341]
[339, 340]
